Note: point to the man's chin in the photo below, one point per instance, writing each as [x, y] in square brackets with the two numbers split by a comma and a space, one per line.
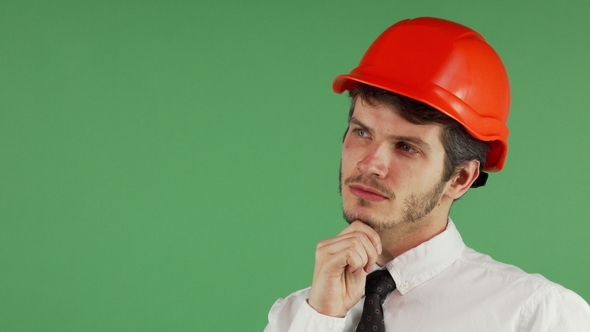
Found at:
[378, 224]
[350, 218]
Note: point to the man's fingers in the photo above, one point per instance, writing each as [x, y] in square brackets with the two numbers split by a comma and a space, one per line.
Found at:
[359, 226]
[353, 251]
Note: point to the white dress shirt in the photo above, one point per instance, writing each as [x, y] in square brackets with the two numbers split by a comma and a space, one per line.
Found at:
[444, 286]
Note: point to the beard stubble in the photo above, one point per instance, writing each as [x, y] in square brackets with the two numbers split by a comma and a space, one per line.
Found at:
[415, 207]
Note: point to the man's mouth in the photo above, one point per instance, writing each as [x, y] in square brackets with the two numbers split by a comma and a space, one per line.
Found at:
[367, 193]
[368, 188]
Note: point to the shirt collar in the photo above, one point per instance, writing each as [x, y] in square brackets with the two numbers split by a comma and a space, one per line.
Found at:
[428, 259]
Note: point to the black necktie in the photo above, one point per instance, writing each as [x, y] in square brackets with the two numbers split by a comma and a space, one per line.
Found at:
[379, 284]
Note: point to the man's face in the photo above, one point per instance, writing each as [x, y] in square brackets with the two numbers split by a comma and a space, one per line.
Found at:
[391, 173]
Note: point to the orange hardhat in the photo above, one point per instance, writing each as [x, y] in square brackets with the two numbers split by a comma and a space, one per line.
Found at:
[447, 66]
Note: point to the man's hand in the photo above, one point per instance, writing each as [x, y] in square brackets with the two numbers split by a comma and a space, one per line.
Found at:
[341, 267]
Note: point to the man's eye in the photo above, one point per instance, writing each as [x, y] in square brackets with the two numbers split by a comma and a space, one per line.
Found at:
[361, 133]
[406, 147]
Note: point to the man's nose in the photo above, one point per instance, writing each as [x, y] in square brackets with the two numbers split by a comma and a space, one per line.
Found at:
[376, 161]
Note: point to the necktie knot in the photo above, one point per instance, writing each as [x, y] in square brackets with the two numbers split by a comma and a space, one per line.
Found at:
[381, 283]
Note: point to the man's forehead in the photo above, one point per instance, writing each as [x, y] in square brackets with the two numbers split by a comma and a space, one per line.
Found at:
[374, 103]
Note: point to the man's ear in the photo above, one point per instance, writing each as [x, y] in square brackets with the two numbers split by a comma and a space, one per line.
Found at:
[463, 178]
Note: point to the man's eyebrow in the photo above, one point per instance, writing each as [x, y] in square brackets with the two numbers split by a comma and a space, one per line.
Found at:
[355, 121]
[410, 139]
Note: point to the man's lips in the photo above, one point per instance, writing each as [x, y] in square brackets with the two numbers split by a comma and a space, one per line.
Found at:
[367, 193]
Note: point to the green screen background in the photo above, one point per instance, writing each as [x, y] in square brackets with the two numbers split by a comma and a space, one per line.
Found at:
[171, 165]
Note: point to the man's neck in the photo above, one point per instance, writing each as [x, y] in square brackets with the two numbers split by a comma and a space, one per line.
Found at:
[396, 243]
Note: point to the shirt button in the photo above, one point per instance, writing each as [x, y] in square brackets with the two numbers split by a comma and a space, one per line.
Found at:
[404, 285]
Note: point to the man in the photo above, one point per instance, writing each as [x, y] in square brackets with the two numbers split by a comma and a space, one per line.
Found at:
[430, 102]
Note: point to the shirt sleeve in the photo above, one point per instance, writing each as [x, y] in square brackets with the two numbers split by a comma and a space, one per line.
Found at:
[560, 310]
[294, 314]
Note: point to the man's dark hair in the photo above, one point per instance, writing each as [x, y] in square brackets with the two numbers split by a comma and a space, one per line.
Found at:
[459, 145]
